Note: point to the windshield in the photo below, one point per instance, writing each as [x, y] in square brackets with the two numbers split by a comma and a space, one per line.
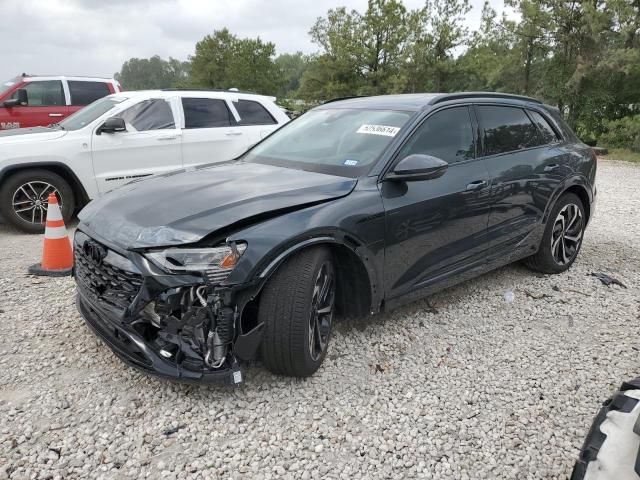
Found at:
[5, 86]
[342, 142]
[89, 113]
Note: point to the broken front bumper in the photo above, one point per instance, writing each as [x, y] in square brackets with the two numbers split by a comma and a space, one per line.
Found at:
[131, 348]
[153, 320]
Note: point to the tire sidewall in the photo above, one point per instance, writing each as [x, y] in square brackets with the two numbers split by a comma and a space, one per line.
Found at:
[564, 200]
[312, 364]
[13, 183]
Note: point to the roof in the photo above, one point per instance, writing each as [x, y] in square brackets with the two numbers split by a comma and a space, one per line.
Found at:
[169, 93]
[419, 101]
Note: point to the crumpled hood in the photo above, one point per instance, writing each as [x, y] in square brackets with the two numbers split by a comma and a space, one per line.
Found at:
[185, 206]
[33, 134]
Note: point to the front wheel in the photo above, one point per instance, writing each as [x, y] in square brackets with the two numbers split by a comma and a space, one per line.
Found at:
[24, 198]
[562, 237]
[297, 307]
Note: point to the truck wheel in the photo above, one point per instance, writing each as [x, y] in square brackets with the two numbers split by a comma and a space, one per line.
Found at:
[611, 450]
[562, 237]
[23, 198]
[297, 306]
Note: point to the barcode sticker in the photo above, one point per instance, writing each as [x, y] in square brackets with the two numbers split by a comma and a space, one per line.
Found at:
[385, 130]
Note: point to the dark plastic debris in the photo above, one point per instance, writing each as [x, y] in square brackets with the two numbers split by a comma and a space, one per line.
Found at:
[607, 280]
[172, 430]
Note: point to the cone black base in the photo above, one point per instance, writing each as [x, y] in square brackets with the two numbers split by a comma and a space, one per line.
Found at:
[38, 270]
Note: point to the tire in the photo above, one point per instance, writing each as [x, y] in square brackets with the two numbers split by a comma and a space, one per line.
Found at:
[611, 450]
[16, 190]
[289, 306]
[566, 236]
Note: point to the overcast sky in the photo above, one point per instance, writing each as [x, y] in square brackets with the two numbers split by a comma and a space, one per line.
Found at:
[94, 37]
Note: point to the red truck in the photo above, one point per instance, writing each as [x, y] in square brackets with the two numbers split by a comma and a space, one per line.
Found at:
[31, 100]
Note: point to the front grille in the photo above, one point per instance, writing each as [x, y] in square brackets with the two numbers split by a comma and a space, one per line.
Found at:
[104, 282]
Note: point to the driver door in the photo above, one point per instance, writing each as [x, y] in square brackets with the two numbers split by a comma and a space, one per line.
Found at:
[437, 228]
[151, 144]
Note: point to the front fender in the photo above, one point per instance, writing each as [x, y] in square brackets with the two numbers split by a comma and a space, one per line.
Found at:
[272, 242]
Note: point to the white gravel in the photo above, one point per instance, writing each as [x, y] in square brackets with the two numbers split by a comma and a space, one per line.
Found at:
[465, 386]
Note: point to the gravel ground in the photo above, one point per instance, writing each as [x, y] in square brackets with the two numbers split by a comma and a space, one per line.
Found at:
[464, 386]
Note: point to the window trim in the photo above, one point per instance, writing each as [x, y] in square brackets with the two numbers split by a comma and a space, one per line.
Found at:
[505, 105]
[393, 161]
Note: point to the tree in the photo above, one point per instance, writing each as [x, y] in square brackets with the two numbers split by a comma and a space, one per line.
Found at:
[291, 67]
[225, 61]
[152, 73]
[360, 54]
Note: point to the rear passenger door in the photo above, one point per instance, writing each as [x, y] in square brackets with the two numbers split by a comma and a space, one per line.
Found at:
[256, 120]
[211, 132]
[525, 167]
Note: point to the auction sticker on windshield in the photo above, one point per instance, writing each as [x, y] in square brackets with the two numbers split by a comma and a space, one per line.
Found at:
[385, 130]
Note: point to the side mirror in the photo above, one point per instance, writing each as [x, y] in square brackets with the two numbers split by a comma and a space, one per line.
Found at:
[21, 100]
[418, 167]
[112, 125]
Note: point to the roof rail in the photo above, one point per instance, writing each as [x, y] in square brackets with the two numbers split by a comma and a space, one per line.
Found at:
[462, 95]
[337, 99]
[230, 90]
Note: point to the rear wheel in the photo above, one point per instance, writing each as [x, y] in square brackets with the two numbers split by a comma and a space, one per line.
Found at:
[562, 238]
[24, 198]
[297, 307]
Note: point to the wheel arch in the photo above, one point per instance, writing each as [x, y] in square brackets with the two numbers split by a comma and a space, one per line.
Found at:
[578, 186]
[357, 285]
[82, 198]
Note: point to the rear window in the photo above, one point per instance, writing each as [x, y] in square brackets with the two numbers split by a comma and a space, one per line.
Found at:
[205, 113]
[546, 131]
[253, 113]
[507, 129]
[84, 93]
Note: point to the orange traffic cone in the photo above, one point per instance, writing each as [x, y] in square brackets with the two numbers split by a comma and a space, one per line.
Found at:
[57, 255]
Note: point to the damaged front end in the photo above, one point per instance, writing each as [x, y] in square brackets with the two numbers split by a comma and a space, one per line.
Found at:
[167, 312]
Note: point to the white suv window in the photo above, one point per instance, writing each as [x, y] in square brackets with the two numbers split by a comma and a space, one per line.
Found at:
[206, 113]
[154, 114]
[253, 113]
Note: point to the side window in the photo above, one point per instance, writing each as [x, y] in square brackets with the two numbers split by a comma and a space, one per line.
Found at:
[43, 93]
[149, 115]
[546, 131]
[84, 93]
[253, 113]
[446, 134]
[506, 129]
[206, 113]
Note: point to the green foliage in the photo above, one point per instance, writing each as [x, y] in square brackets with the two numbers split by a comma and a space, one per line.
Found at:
[225, 61]
[152, 73]
[622, 133]
[582, 56]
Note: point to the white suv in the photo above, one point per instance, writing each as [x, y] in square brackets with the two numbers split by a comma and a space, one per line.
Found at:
[121, 137]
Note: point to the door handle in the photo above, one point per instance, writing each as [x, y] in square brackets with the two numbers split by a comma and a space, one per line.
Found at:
[477, 185]
[551, 168]
[233, 134]
[168, 137]
[55, 114]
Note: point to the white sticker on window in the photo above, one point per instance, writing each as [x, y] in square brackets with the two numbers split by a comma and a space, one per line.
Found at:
[379, 130]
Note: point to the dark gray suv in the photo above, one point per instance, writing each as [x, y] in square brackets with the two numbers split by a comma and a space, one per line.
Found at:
[359, 205]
